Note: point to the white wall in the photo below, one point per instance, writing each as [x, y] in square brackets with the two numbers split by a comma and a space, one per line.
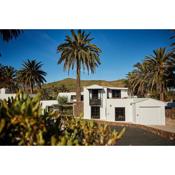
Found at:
[103, 106]
[87, 108]
[45, 103]
[124, 93]
[137, 110]
[68, 95]
[113, 103]
[2, 91]
[107, 109]
[6, 96]
[150, 112]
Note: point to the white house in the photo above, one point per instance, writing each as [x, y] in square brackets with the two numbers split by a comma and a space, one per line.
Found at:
[114, 104]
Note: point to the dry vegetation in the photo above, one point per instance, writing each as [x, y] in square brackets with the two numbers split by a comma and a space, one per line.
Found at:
[70, 83]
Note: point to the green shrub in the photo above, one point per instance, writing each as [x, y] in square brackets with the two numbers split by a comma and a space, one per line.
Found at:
[77, 131]
[62, 100]
[22, 122]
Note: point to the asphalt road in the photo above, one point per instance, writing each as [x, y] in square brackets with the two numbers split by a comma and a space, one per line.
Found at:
[138, 136]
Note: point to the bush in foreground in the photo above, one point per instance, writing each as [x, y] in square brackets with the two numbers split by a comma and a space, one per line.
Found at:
[22, 122]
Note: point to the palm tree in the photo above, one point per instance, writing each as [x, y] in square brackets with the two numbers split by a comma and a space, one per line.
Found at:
[1, 73]
[172, 38]
[161, 64]
[31, 74]
[7, 35]
[78, 51]
[155, 75]
[20, 80]
[8, 77]
[138, 79]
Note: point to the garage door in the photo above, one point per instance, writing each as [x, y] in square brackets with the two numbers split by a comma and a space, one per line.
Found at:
[148, 115]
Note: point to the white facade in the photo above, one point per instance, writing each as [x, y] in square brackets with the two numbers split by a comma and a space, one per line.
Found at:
[4, 95]
[71, 96]
[112, 105]
[46, 103]
[150, 112]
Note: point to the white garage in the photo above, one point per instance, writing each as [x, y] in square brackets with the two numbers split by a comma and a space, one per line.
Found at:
[150, 112]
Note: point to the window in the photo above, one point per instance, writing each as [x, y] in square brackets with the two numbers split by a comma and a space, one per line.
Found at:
[95, 112]
[73, 97]
[82, 97]
[116, 93]
[119, 114]
[94, 94]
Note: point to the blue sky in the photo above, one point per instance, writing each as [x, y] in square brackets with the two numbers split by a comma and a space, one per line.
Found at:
[121, 49]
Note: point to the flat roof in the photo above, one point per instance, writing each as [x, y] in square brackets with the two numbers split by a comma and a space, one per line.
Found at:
[95, 86]
[69, 93]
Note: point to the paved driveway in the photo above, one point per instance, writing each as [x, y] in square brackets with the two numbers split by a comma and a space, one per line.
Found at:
[138, 136]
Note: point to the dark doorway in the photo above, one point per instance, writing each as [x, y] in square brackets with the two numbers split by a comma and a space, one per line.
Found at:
[95, 112]
[119, 114]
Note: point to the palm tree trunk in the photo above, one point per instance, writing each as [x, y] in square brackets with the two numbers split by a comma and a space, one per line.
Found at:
[31, 88]
[78, 90]
[162, 95]
[162, 88]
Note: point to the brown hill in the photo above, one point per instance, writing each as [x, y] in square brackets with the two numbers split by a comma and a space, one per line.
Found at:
[70, 83]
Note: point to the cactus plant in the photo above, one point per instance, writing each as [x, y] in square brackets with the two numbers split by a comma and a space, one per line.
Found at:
[22, 122]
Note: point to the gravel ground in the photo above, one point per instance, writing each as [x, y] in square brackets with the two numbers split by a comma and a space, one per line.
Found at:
[138, 136]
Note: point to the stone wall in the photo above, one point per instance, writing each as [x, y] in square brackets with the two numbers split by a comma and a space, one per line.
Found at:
[170, 113]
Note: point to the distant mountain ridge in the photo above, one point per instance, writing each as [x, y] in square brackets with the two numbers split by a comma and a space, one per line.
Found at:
[70, 83]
